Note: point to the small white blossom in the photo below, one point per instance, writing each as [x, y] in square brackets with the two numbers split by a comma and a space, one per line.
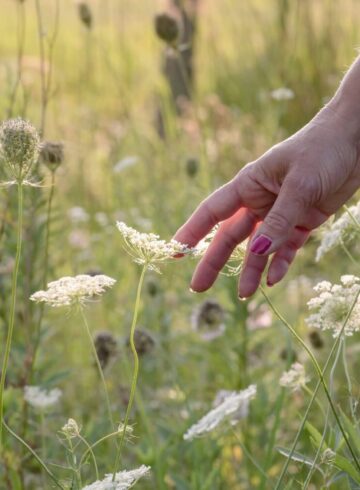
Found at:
[332, 305]
[40, 398]
[70, 291]
[123, 480]
[71, 429]
[282, 93]
[295, 378]
[147, 248]
[234, 403]
[339, 231]
[77, 215]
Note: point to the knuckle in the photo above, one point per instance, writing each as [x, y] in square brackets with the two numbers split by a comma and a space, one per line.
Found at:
[277, 221]
[304, 188]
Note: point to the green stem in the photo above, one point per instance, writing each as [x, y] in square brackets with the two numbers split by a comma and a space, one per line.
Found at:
[348, 380]
[12, 307]
[101, 373]
[336, 345]
[319, 372]
[136, 369]
[38, 459]
[92, 446]
[89, 449]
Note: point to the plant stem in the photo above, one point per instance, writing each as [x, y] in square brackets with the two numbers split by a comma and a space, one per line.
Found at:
[101, 373]
[92, 446]
[136, 369]
[12, 308]
[89, 449]
[348, 380]
[319, 372]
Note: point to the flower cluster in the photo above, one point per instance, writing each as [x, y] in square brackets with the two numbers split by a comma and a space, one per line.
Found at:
[234, 403]
[71, 429]
[295, 378]
[40, 398]
[70, 291]
[19, 147]
[123, 480]
[147, 248]
[333, 304]
[282, 93]
[339, 231]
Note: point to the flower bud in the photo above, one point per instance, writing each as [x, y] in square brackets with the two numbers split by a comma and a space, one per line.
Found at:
[71, 429]
[52, 154]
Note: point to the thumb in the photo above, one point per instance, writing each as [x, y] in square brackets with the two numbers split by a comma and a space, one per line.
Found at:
[280, 221]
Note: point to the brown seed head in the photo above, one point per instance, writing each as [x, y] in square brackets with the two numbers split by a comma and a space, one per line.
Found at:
[167, 28]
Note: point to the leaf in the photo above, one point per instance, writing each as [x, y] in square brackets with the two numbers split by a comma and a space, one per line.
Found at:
[315, 434]
[344, 464]
[300, 458]
[351, 430]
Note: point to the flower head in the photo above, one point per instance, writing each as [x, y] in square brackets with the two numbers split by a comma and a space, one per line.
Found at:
[167, 28]
[232, 404]
[71, 429]
[85, 14]
[147, 248]
[71, 291]
[106, 347]
[333, 304]
[282, 93]
[123, 480]
[208, 320]
[340, 231]
[19, 147]
[40, 398]
[295, 378]
[52, 154]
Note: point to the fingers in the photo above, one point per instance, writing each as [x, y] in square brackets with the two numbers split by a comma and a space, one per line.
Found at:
[285, 256]
[219, 206]
[231, 232]
[251, 274]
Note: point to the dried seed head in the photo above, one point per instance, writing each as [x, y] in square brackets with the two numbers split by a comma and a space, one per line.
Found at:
[144, 342]
[167, 28]
[152, 287]
[316, 340]
[19, 147]
[85, 14]
[287, 355]
[192, 166]
[52, 154]
[209, 320]
[106, 347]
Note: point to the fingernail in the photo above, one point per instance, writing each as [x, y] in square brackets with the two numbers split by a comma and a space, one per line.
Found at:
[178, 256]
[192, 291]
[241, 298]
[260, 245]
[269, 284]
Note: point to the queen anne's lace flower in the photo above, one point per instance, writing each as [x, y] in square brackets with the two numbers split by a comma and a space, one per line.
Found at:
[232, 404]
[295, 378]
[340, 231]
[333, 304]
[123, 480]
[70, 291]
[40, 398]
[147, 248]
[71, 429]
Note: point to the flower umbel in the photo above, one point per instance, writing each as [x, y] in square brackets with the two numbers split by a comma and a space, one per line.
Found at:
[123, 480]
[147, 248]
[333, 304]
[71, 291]
[19, 147]
[295, 378]
[71, 429]
[40, 398]
[234, 403]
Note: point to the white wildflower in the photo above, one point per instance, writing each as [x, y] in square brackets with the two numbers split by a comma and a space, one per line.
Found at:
[332, 306]
[295, 378]
[339, 231]
[40, 398]
[77, 215]
[241, 413]
[232, 404]
[123, 480]
[147, 248]
[70, 291]
[71, 429]
[282, 93]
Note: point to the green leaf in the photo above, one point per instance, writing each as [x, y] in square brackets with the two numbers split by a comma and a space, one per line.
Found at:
[298, 457]
[344, 464]
[315, 435]
[351, 430]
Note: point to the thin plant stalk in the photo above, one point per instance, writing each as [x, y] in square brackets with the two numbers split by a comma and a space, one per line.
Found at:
[335, 347]
[21, 29]
[348, 380]
[101, 373]
[36, 456]
[92, 446]
[89, 449]
[12, 308]
[320, 374]
[136, 369]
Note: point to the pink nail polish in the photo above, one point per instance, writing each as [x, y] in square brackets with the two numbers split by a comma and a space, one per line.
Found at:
[269, 284]
[260, 245]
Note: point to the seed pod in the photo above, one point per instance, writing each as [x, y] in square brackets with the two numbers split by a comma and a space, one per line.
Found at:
[316, 340]
[52, 154]
[106, 347]
[192, 166]
[85, 14]
[167, 28]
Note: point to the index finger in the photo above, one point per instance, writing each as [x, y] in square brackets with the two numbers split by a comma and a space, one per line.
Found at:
[220, 205]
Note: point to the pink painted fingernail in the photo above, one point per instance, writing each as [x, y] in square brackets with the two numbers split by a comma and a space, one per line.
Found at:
[269, 284]
[260, 245]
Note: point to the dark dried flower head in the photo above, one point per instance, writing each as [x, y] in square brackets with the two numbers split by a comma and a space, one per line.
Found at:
[106, 347]
[167, 28]
[291, 356]
[85, 14]
[209, 320]
[152, 287]
[19, 147]
[316, 340]
[52, 154]
[144, 342]
[192, 166]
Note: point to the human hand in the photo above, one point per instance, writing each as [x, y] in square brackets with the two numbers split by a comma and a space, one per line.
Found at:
[276, 201]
